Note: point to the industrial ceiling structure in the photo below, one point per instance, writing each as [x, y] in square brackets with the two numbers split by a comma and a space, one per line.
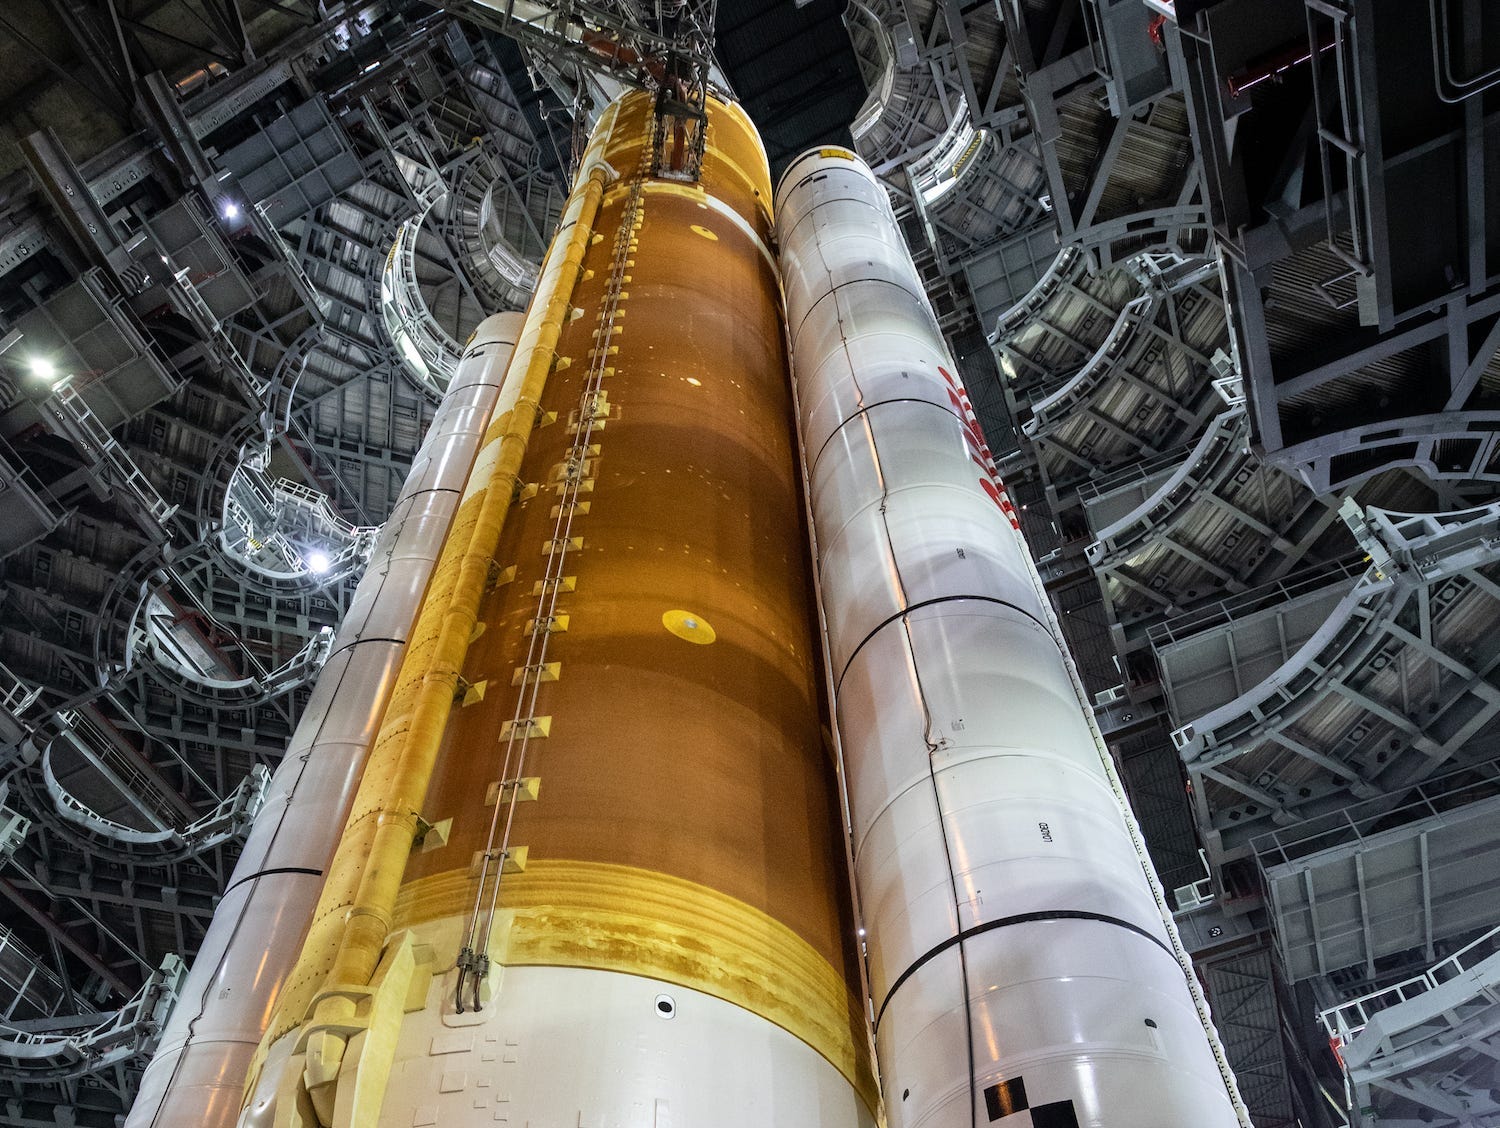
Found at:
[1223, 279]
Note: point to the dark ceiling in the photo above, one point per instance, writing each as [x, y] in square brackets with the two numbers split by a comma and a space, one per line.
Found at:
[793, 69]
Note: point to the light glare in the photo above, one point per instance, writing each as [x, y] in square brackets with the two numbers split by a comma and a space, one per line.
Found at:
[317, 562]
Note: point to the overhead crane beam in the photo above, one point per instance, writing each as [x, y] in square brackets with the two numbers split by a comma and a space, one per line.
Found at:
[670, 55]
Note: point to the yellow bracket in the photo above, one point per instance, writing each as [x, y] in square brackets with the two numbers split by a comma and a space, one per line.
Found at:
[533, 728]
[556, 625]
[546, 672]
[433, 836]
[365, 1073]
[524, 790]
[499, 577]
[515, 861]
[559, 470]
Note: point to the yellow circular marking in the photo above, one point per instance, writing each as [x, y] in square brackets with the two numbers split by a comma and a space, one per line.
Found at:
[686, 625]
[705, 232]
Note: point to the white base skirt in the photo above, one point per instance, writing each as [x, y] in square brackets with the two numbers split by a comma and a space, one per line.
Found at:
[576, 1048]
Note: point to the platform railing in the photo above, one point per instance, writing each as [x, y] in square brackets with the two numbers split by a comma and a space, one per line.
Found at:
[1346, 1020]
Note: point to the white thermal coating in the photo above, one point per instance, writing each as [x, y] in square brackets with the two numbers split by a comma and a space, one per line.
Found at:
[1014, 932]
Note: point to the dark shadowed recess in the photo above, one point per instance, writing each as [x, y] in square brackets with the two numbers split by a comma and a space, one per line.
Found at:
[793, 69]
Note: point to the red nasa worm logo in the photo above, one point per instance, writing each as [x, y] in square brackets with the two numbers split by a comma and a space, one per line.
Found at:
[979, 451]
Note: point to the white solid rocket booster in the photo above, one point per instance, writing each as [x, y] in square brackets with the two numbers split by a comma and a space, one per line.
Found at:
[197, 1076]
[1020, 959]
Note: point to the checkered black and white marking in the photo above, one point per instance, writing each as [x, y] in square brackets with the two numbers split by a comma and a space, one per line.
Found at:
[1008, 1106]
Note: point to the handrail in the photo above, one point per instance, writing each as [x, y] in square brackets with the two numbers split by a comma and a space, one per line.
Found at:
[15, 695]
[1357, 822]
[514, 270]
[30, 1056]
[1436, 544]
[144, 642]
[1406, 550]
[1345, 1020]
[301, 280]
[1225, 612]
[252, 386]
[97, 745]
[229, 819]
[1217, 455]
[1458, 90]
[938, 171]
[1141, 470]
[873, 107]
[261, 526]
[1344, 640]
[1054, 409]
[78, 423]
[39, 986]
[18, 476]
[1170, 271]
[426, 349]
[1016, 318]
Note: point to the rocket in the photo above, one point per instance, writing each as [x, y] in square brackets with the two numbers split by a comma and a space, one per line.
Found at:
[1022, 959]
[197, 1075]
[592, 866]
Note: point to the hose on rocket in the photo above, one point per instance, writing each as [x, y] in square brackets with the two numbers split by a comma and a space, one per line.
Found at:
[379, 836]
[473, 960]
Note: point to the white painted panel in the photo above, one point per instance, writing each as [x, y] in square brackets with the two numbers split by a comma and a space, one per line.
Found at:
[197, 1074]
[573, 1046]
[1011, 923]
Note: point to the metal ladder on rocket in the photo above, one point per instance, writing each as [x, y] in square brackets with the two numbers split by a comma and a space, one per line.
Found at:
[1021, 955]
[473, 959]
